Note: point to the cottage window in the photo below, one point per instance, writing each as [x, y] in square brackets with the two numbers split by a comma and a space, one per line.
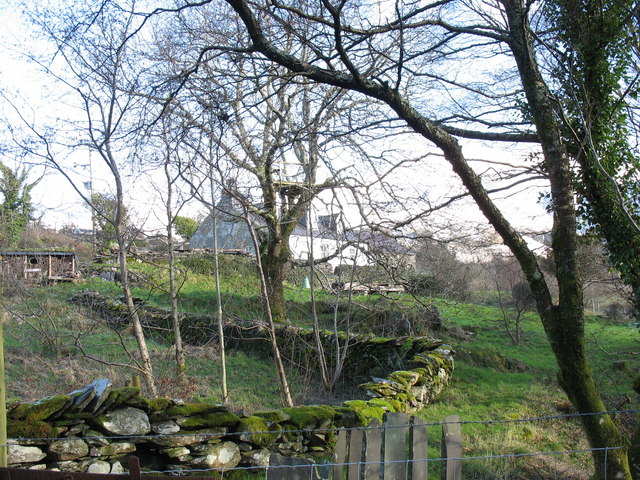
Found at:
[328, 223]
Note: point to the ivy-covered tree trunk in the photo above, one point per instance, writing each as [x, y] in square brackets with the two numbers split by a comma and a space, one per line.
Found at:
[564, 322]
[601, 37]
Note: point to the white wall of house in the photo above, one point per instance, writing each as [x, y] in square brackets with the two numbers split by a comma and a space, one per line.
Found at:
[324, 224]
[322, 247]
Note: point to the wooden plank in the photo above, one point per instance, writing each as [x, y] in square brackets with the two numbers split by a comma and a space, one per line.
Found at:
[134, 467]
[356, 440]
[418, 442]
[395, 456]
[340, 454]
[451, 448]
[373, 448]
[291, 468]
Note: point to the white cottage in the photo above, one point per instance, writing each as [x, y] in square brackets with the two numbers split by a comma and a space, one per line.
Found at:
[321, 228]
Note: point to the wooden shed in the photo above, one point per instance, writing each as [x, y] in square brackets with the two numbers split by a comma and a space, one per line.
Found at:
[36, 267]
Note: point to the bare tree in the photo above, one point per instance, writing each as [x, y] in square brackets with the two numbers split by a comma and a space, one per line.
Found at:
[171, 178]
[382, 54]
[95, 69]
[270, 159]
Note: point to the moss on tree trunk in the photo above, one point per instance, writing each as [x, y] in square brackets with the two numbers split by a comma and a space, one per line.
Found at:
[275, 259]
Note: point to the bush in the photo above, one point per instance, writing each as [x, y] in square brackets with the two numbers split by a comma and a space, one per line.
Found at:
[421, 284]
[618, 312]
[522, 296]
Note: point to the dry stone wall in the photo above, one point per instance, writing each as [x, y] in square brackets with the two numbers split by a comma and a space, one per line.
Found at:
[366, 356]
[96, 428]
[93, 430]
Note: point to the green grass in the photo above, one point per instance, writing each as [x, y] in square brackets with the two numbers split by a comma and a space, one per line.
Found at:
[42, 335]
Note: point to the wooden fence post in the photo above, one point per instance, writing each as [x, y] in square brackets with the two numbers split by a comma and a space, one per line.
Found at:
[134, 468]
[373, 445]
[451, 448]
[340, 454]
[395, 455]
[418, 442]
[356, 440]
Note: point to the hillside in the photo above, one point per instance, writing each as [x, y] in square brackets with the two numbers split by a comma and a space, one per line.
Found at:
[52, 346]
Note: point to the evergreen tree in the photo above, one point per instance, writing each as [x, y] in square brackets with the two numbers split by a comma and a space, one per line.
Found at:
[16, 208]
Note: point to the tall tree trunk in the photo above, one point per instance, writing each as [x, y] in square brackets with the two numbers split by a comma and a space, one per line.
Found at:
[145, 358]
[118, 224]
[564, 323]
[566, 333]
[282, 375]
[181, 366]
[275, 258]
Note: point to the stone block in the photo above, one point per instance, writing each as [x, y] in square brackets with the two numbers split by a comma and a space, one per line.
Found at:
[68, 449]
[21, 454]
[125, 421]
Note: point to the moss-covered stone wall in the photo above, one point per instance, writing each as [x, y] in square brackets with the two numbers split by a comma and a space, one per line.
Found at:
[94, 429]
[366, 355]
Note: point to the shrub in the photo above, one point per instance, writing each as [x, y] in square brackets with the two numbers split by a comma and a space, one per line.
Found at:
[421, 284]
[522, 296]
[618, 312]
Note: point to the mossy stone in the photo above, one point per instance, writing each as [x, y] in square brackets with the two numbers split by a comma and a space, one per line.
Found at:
[425, 361]
[381, 389]
[119, 396]
[256, 431]
[404, 377]
[223, 418]
[369, 413]
[19, 412]
[275, 416]
[355, 404]
[159, 404]
[30, 429]
[388, 405]
[425, 344]
[405, 398]
[190, 409]
[41, 409]
[310, 416]
[366, 411]
[139, 402]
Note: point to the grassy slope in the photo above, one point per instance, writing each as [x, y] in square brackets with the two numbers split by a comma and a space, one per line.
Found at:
[42, 360]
